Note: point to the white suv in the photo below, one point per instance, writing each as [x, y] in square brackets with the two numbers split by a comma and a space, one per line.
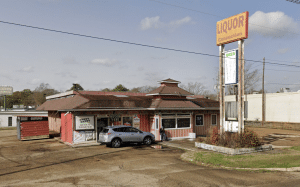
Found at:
[116, 135]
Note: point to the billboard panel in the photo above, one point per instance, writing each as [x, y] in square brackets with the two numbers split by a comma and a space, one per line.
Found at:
[231, 67]
[6, 90]
[233, 28]
[84, 123]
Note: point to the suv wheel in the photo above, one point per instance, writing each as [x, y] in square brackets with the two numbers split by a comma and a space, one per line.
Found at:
[147, 141]
[116, 143]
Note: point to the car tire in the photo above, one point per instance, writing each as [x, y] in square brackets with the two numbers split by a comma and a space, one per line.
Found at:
[116, 143]
[147, 141]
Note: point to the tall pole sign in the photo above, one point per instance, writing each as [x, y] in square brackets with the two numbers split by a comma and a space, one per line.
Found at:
[232, 29]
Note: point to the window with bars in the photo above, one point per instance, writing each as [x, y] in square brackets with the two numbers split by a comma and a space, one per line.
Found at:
[9, 121]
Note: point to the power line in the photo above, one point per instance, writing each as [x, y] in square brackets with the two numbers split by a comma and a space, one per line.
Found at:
[295, 1]
[107, 39]
[132, 43]
[282, 84]
[282, 70]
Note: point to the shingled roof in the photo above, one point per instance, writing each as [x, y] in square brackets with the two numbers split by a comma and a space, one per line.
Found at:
[166, 90]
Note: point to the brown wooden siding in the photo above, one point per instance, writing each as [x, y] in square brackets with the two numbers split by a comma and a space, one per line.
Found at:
[54, 121]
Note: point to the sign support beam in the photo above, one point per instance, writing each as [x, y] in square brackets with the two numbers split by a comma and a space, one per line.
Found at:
[221, 87]
[241, 88]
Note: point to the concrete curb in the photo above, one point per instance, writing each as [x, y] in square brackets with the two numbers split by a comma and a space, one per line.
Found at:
[293, 169]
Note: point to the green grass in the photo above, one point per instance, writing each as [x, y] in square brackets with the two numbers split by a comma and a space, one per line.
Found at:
[8, 128]
[297, 148]
[250, 161]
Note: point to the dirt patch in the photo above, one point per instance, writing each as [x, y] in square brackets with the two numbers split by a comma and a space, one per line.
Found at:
[266, 136]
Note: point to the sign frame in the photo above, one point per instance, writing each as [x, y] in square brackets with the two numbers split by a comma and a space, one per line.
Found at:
[80, 125]
[6, 90]
[232, 29]
[231, 67]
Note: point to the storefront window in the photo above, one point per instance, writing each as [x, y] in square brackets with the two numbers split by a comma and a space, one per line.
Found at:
[168, 123]
[176, 121]
[127, 121]
[183, 122]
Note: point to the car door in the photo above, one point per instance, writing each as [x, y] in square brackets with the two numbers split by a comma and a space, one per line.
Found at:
[121, 133]
[134, 134]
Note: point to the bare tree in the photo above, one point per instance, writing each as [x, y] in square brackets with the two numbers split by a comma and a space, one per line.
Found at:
[195, 88]
[251, 79]
[143, 89]
[40, 93]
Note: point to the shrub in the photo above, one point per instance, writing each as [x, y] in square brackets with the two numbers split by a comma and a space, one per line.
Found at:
[249, 139]
[200, 139]
[215, 136]
[233, 140]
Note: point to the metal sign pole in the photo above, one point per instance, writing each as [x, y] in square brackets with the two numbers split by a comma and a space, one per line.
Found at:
[4, 102]
[241, 88]
[221, 87]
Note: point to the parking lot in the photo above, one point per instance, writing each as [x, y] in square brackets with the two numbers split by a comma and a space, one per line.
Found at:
[49, 162]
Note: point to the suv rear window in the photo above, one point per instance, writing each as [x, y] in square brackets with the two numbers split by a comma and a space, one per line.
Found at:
[105, 130]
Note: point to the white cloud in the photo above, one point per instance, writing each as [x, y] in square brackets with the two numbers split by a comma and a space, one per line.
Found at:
[27, 69]
[105, 62]
[273, 24]
[282, 51]
[179, 22]
[155, 23]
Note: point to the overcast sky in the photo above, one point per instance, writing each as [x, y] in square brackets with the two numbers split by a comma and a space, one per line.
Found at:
[29, 56]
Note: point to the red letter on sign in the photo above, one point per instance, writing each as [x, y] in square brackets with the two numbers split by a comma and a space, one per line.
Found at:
[225, 26]
[235, 23]
[241, 21]
[229, 25]
[218, 28]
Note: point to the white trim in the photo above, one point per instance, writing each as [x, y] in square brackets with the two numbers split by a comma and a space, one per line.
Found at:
[156, 123]
[196, 120]
[115, 109]
[176, 117]
[216, 119]
[60, 95]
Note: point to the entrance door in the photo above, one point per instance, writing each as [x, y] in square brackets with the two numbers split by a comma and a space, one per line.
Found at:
[101, 122]
[155, 128]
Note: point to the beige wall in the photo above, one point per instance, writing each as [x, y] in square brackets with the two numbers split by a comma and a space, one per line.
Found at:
[280, 107]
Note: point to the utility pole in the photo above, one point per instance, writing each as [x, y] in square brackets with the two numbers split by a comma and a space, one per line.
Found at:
[4, 102]
[241, 87]
[263, 94]
[222, 86]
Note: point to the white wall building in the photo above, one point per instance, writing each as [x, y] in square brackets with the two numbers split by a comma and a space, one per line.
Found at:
[8, 118]
[279, 107]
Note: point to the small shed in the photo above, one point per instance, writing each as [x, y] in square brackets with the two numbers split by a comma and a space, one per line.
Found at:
[32, 127]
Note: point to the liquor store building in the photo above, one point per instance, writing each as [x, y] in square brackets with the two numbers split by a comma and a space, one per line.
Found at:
[80, 116]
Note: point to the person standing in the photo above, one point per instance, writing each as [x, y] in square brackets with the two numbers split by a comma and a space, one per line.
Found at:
[163, 134]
